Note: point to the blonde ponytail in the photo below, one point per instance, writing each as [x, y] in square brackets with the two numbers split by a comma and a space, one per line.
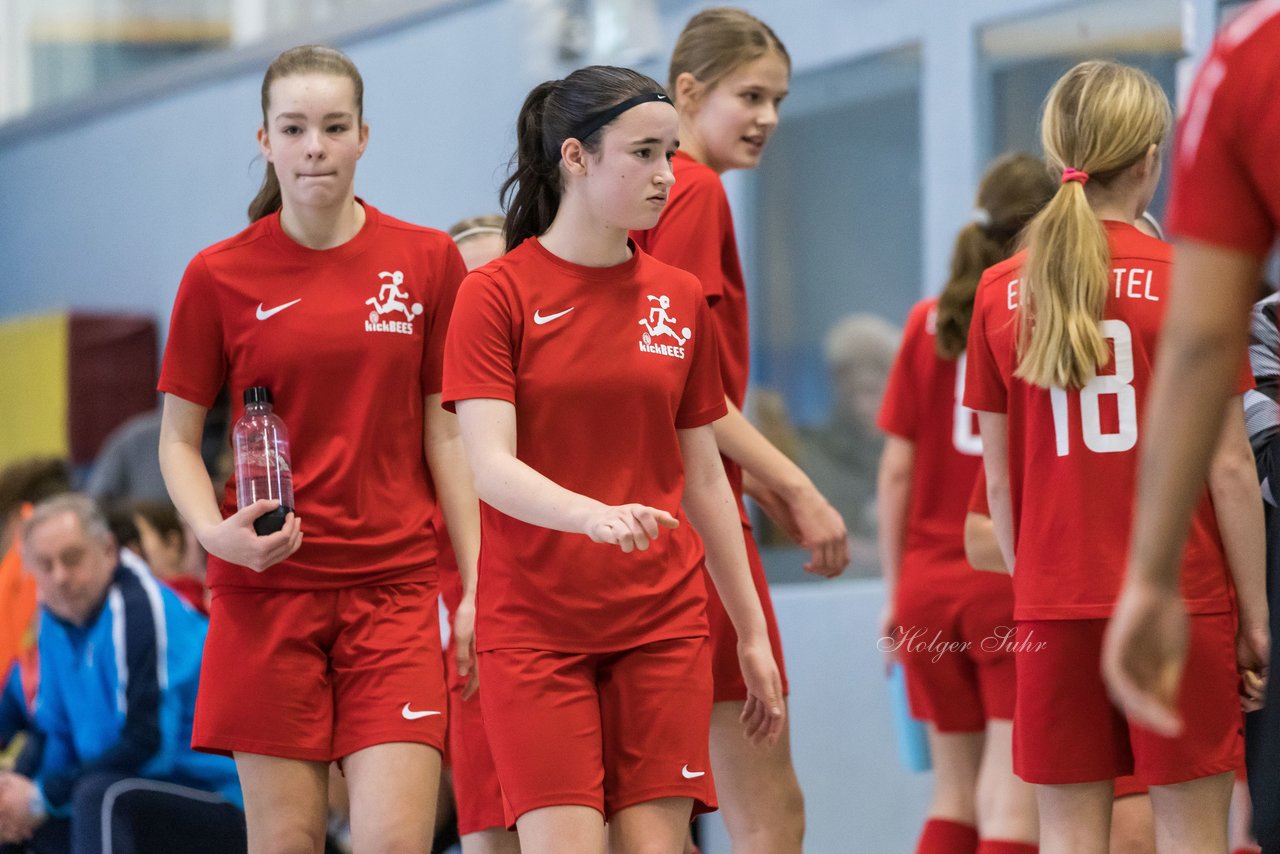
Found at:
[1100, 119]
[1064, 289]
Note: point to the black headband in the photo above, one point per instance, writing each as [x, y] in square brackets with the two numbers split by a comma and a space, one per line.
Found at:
[589, 126]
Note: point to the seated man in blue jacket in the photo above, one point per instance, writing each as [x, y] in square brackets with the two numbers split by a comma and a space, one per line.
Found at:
[119, 663]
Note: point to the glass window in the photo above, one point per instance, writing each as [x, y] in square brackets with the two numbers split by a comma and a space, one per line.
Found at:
[835, 265]
[1025, 58]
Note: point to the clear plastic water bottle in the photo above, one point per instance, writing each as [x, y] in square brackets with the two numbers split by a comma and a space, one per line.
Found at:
[261, 446]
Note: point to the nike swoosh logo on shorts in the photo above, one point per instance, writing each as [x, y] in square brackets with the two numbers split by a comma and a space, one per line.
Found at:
[689, 775]
[540, 318]
[263, 314]
[410, 715]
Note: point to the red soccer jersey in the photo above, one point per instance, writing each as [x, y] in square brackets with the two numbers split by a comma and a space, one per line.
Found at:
[978, 497]
[1073, 454]
[1226, 187]
[923, 404]
[350, 341]
[603, 365]
[695, 233]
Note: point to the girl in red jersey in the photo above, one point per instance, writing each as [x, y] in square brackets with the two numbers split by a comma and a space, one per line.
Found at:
[1133, 829]
[1059, 362]
[729, 73]
[586, 380]
[476, 792]
[326, 647]
[926, 469]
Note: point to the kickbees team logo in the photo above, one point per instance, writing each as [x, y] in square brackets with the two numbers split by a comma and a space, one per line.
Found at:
[391, 300]
[659, 324]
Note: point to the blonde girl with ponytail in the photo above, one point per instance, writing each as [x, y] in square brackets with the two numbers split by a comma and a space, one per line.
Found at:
[1060, 357]
[1064, 346]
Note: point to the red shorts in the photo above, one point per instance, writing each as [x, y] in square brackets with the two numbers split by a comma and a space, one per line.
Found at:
[476, 792]
[1127, 786]
[1066, 729]
[725, 669]
[956, 648]
[319, 674]
[602, 730]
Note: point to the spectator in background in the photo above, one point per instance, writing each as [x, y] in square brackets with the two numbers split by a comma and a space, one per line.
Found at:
[843, 455]
[128, 464]
[117, 768]
[767, 410]
[164, 542]
[22, 484]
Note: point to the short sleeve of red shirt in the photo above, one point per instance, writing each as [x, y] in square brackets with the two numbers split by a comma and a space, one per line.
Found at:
[899, 414]
[703, 400]
[452, 272]
[479, 355]
[195, 366]
[978, 498]
[1226, 189]
[984, 387]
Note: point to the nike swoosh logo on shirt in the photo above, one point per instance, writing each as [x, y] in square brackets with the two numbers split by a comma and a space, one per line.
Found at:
[540, 318]
[263, 314]
[689, 775]
[410, 715]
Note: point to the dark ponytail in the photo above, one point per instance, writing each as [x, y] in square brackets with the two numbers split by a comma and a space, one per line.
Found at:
[268, 200]
[304, 59]
[531, 194]
[1013, 190]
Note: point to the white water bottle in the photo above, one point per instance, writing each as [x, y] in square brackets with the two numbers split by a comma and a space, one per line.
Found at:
[261, 445]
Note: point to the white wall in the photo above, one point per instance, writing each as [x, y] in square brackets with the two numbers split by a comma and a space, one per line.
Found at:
[103, 209]
[858, 798]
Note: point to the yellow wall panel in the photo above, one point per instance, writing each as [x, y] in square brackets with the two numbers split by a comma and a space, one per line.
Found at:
[33, 387]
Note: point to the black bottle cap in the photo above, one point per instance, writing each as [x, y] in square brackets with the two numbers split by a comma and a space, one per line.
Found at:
[257, 394]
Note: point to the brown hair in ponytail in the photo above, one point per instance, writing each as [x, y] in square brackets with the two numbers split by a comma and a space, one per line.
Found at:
[1013, 190]
[1100, 118]
[531, 194]
[304, 59]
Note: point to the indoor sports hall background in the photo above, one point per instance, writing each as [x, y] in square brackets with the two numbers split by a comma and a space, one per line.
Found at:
[127, 143]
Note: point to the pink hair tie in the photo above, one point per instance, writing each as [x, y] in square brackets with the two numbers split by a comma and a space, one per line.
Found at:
[1069, 175]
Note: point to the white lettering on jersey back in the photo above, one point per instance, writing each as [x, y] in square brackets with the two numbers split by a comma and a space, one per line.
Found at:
[1134, 283]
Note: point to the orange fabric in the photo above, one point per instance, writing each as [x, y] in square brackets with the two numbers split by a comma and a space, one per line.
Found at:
[17, 607]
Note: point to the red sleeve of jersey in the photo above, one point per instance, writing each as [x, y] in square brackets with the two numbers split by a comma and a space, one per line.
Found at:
[479, 352]
[703, 399]
[984, 387]
[978, 498]
[690, 235]
[195, 361]
[1215, 196]
[899, 414]
[443, 292]
[1245, 381]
